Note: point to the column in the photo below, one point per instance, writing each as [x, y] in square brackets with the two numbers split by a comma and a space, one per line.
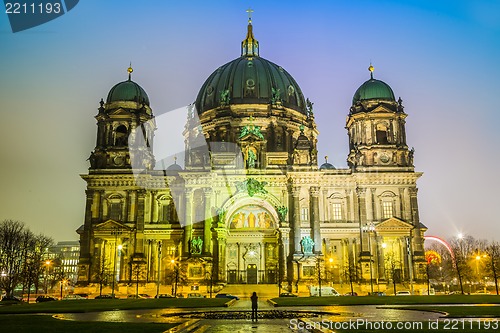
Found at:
[207, 227]
[188, 228]
[126, 204]
[361, 192]
[295, 192]
[314, 218]
[369, 205]
[84, 262]
[139, 233]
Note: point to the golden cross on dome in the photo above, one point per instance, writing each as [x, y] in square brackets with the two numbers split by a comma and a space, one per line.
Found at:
[130, 70]
[249, 11]
[371, 69]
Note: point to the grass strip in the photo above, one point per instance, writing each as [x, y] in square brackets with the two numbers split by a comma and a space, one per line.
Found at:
[45, 323]
[91, 305]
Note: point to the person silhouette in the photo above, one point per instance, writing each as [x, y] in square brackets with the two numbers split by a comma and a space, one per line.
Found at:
[254, 299]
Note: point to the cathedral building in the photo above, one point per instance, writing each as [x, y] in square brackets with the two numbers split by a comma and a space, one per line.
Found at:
[250, 204]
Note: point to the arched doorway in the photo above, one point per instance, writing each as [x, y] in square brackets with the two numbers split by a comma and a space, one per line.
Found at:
[252, 252]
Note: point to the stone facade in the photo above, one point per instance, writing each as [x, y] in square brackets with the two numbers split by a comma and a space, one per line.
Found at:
[251, 204]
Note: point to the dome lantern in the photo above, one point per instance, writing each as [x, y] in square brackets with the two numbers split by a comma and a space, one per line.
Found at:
[249, 46]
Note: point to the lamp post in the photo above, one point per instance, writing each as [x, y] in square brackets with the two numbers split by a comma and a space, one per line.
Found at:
[330, 260]
[172, 262]
[159, 270]
[369, 228]
[63, 282]
[118, 248]
[47, 265]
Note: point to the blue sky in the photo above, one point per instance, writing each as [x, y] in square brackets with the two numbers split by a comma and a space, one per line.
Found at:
[441, 57]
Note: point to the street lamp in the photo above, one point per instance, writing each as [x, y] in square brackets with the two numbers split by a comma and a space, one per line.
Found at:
[47, 265]
[172, 262]
[63, 282]
[330, 260]
[118, 248]
[369, 228]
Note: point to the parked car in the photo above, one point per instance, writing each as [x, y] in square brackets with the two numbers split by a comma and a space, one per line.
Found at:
[104, 297]
[195, 295]
[351, 294]
[72, 297]
[378, 293]
[12, 299]
[141, 296]
[227, 296]
[403, 293]
[179, 295]
[287, 294]
[45, 298]
[164, 296]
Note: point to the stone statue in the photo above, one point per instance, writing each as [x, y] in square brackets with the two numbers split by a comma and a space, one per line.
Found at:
[410, 156]
[282, 211]
[307, 245]
[251, 186]
[252, 129]
[251, 159]
[276, 96]
[196, 245]
[221, 213]
[224, 97]
[309, 106]
[93, 160]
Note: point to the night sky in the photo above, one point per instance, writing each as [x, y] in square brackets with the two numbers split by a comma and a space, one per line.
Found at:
[441, 57]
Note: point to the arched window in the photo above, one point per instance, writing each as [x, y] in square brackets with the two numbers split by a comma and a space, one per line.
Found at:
[121, 136]
[388, 204]
[336, 201]
[304, 214]
[115, 207]
[381, 134]
[165, 209]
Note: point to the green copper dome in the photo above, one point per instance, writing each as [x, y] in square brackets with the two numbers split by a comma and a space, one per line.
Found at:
[127, 91]
[372, 90]
[250, 79]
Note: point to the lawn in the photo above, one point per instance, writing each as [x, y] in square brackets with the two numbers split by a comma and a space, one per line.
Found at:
[386, 300]
[44, 323]
[91, 305]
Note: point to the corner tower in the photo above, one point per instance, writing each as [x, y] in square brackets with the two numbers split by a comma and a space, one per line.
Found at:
[376, 128]
[126, 109]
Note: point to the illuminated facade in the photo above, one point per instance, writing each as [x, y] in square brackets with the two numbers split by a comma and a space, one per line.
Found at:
[250, 205]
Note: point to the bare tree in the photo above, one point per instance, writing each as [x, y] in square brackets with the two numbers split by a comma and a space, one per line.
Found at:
[102, 273]
[493, 265]
[137, 273]
[350, 271]
[393, 269]
[33, 265]
[12, 254]
[463, 248]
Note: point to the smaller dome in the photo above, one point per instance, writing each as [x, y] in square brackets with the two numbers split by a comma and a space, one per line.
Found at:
[174, 167]
[373, 90]
[326, 166]
[127, 91]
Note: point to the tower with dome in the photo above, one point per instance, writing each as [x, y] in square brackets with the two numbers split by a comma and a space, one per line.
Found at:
[248, 202]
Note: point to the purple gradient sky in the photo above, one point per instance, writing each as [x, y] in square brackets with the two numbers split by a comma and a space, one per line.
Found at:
[441, 57]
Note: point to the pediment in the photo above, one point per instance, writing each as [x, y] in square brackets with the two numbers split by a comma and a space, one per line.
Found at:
[111, 225]
[119, 112]
[252, 137]
[382, 109]
[393, 224]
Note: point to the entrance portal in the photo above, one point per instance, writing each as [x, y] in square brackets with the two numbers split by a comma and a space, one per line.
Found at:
[252, 274]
